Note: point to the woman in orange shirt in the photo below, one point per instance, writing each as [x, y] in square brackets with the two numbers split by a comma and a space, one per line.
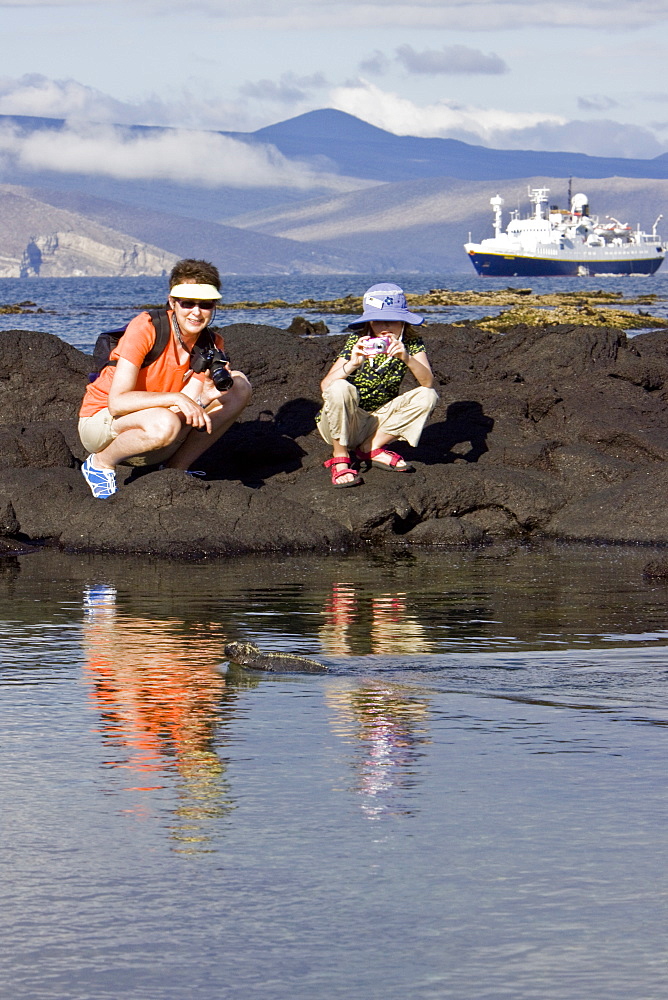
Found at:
[152, 415]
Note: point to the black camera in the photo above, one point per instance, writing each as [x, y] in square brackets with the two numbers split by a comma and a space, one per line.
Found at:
[215, 361]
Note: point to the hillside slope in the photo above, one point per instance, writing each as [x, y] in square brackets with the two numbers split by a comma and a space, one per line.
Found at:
[40, 240]
[28, 215]
[417, 201]
[422, 225]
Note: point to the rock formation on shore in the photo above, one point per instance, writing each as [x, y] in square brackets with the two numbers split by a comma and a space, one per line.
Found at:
[39, 240]
[558, 432]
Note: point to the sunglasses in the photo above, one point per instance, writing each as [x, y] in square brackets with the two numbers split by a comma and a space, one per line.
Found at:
[204, 304]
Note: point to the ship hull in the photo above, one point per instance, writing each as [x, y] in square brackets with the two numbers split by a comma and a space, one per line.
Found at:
[499, 265]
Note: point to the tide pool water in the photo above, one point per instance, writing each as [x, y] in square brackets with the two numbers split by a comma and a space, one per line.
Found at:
[470, 804]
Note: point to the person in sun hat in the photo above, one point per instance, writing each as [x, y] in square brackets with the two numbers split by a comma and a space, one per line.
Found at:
[151, 415]
[363, 409]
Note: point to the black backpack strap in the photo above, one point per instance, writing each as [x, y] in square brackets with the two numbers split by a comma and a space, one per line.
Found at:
[160, 321]
[108, 341]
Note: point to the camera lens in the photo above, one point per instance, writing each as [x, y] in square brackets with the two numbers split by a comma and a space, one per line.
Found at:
[219, 373]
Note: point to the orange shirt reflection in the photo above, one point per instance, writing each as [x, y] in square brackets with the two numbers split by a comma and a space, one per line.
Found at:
[155, 685]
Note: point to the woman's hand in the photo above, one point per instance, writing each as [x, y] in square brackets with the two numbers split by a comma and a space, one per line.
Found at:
[207, 389]
[193, 413]
[124, 398]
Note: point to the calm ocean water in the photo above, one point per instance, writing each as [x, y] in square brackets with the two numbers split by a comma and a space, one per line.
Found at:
[471, 804]
[77, 309]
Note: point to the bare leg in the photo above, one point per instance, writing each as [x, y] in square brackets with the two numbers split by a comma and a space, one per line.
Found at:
[223, 412]
[158, 427]
[145, 430]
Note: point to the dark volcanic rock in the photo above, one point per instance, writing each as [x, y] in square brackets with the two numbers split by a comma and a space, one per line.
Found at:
[41, 445]
[40, 377]
[557, 432]
[657, 569]
[307, 327]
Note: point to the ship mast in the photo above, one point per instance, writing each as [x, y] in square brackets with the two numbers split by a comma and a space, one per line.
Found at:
[497, 204]
[539, 197]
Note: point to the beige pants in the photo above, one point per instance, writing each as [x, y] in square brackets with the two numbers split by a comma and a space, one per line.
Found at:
[403, 418]
[98, 431]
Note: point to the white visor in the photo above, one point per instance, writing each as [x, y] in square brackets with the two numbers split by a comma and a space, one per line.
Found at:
[190, 291]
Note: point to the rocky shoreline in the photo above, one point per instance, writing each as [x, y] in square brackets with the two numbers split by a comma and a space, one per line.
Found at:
[556, 432]
[594, 307]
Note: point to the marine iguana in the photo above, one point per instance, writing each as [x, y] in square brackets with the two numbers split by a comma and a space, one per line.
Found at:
[247, 654]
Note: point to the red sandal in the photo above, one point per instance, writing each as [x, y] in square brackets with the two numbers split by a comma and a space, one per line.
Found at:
[391, 466]
[337, 474]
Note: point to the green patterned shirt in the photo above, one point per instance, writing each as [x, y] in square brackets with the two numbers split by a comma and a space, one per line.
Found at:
[379, 379]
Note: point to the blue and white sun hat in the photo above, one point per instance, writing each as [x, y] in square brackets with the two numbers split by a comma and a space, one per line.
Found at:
[385, 302]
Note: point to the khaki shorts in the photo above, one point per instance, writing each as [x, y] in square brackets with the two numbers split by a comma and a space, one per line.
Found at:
[98, 431]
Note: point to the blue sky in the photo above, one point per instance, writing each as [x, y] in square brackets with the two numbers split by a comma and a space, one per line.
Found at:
[586, 75]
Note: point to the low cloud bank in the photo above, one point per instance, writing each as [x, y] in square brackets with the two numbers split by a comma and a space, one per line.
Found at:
[208, 159]
[189, 157]
[39, 96]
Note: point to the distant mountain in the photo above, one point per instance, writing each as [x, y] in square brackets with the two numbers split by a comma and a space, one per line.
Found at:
[418, 199]
[31, 216]
[345, 144]
[361, 150]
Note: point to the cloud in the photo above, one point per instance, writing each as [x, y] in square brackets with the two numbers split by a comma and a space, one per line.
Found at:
[39, 96]
[36, 95]
[376, 64]
[493, 127]
[290, 89]
[660, 98]
[450, 59]
[466, 15]
[189, 157]
[403, 117]
[597, 102]
[463, 15]
[453, 59]
[198, 158]
[597, 137]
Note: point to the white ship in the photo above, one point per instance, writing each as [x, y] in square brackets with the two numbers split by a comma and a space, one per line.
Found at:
[554, 241]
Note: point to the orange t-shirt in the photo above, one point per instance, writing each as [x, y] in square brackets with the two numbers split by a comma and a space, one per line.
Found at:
[166, 374]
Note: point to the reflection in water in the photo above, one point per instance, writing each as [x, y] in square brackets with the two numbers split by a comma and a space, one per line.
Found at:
[387, 722]
[355, 622]
[553, 846]
[160, 699]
